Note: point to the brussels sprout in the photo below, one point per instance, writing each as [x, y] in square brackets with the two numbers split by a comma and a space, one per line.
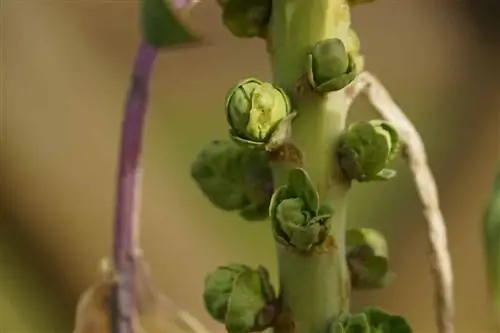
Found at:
[254, 109]
[298, 219]
[366, 148]
[234, 178]
[240, 297]
[367, 258]
[331, 66]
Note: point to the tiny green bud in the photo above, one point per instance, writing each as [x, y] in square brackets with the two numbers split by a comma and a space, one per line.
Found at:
[246, 19]
[240, 297]
[331, 67]
[254, 109]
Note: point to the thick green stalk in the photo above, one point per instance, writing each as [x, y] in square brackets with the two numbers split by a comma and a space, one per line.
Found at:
[314, 288]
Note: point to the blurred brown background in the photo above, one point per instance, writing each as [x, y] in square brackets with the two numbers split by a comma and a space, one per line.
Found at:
[65, 68]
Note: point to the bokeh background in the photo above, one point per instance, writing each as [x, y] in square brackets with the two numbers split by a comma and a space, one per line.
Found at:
[65, 71]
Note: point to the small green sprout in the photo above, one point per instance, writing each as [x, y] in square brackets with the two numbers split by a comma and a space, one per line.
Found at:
[330, 67]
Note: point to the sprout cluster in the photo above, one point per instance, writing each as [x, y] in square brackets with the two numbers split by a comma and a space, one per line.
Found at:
[235, 175]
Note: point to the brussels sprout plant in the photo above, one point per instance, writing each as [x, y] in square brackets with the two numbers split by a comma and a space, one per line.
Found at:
[289, 160]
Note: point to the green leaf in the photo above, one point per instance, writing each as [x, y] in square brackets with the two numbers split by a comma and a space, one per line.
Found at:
[245, 303]
[161, 26]
[301, 185]
[491, 238]
[391, 132]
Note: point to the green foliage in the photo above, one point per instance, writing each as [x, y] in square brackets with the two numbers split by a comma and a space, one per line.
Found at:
[330, 66]
[298, 219]
[240, 297]
[235, 178]
[254, 109]
[370, 320]
[246, 19]
[492, 241]
[367, 258]
[160, 25]
[366, 148]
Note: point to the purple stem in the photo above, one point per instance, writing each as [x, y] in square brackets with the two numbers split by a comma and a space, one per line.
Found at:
[126, 227]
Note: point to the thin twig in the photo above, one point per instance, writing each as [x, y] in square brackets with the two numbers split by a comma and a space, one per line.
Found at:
[126, 227]
[426, 186]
